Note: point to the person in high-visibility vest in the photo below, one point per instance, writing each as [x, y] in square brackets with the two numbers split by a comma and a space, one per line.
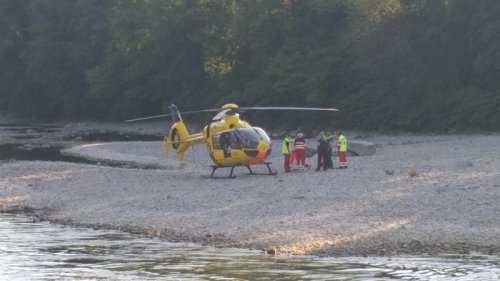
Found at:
[285, 149]
[342, 150]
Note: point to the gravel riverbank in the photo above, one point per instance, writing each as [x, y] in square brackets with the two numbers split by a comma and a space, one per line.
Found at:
[418, 194]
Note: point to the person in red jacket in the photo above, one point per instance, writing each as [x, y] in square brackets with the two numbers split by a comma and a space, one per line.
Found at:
[300, 149]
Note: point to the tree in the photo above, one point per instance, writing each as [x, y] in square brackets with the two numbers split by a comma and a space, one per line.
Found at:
[16, 85]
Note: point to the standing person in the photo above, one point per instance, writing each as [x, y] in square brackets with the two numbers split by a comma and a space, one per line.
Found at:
[300, 149]
[342, 150]
[285, 149]
[322, 150]
[329, 153]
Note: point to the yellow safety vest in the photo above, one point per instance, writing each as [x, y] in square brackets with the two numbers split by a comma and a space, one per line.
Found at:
[342, 143]
[285, 146]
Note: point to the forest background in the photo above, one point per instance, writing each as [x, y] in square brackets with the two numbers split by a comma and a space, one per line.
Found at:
[413, 65]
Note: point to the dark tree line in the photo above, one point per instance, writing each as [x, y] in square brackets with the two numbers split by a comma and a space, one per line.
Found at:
[394, 64]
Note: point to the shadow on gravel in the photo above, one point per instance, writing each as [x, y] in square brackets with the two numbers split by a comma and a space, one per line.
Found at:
[12, 151]
[36, 142]
[105, 136]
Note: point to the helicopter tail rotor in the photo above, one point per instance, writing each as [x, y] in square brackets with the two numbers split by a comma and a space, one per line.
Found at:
[178, 137]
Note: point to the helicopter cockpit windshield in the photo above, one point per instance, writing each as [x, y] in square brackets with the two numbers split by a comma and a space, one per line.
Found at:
[262, 134]
[240, 138]
[247, 137]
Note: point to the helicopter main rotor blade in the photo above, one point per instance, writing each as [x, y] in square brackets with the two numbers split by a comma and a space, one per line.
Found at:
[146, 118]
[170, 114]
[288, 108]
[236, 109]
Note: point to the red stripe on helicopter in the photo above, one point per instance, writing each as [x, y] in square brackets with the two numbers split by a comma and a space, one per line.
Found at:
[259, 157]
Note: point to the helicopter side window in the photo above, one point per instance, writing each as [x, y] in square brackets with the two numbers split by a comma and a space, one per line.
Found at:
[216, 140]
[235, 140]
[219, 139]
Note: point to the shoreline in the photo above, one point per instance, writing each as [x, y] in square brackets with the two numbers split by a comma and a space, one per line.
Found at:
[377, 248]
[448, 207]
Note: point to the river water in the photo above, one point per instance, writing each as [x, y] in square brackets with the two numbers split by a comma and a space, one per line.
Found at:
[43, 251]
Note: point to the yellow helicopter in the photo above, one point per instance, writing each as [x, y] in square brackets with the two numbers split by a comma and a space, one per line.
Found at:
[230, 141]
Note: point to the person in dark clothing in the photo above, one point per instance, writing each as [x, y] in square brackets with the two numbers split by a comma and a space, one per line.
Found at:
[329, 154]
[322, 153]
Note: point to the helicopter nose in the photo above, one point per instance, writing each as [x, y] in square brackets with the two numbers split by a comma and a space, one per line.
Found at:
[261, 154]
[259, 157]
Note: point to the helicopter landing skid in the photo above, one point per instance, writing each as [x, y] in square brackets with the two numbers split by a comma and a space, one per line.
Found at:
[215, 167]
[231, 176]
[268, 168]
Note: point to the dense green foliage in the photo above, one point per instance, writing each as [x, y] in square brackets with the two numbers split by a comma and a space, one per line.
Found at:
[394, 64]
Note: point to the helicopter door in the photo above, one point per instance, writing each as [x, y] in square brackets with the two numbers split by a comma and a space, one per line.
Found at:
[225, 141]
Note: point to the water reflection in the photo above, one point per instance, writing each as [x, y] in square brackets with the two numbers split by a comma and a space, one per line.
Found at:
[42, 251]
